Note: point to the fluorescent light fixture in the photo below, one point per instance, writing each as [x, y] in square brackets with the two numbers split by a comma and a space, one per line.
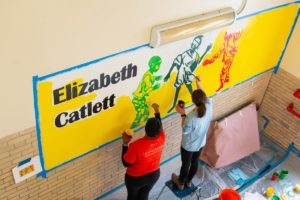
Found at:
[189, 27]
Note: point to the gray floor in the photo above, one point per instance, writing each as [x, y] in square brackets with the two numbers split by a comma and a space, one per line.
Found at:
[213, 180]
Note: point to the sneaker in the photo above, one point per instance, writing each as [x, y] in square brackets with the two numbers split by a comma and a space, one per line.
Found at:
[177, 182]
[188, 184]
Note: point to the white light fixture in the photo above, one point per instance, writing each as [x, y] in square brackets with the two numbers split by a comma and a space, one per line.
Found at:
[193, 26]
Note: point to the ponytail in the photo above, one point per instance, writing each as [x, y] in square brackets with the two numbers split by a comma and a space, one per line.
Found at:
[201, 109]
[199, 98]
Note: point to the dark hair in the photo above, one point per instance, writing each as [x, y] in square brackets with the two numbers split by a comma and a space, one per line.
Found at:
[153, 127]
[199, 98]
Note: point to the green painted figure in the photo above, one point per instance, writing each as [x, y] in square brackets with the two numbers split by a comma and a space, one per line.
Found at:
[148, 84]
[186, 63]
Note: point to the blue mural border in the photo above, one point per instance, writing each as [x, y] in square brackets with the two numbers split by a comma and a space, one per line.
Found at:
[36, 79]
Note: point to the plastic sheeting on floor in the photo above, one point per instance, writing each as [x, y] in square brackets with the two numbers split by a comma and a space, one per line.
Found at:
[213, 180]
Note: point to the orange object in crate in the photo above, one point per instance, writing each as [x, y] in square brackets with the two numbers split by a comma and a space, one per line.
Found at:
[229, 194]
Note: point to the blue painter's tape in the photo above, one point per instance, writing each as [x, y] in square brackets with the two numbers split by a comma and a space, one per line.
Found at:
[266, 10]
[147, 45]
[169, 159]
[91, 62]
[24, 162]
[110, 192]
[37, 123]
[267, 121]
[287, 41]
[279, 162]
[104, 145]
[296, 151]
[122, 185]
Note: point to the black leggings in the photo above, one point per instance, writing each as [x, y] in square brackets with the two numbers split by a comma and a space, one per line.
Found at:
[138, 188]
[189, 165]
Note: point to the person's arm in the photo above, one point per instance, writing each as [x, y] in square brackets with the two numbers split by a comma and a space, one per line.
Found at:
[198, 84]
[156, 109]
[126, 152]
[181, 111]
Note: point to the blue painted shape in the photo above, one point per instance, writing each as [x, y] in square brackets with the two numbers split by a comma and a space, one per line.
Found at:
[287, 42]
[181, 193]
[238, 176]
[37, 124]
[296, 151]
[267, 121]
[24, 162]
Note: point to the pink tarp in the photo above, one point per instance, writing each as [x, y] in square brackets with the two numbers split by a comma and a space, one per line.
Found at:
[232, 138]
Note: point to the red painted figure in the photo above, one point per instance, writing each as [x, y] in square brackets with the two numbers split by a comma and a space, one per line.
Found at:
[228, 51]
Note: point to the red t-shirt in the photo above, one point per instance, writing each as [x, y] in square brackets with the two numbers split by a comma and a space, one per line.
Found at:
[144, 155]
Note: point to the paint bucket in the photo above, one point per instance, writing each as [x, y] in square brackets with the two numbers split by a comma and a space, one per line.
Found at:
[181, 104]
[283, 174]
[270, 191]
[283, 197]
[275, 197]
[297, 188]
[275, 176]
[229, 194]
[128, 133]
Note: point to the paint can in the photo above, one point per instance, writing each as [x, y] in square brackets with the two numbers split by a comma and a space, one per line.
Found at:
[275, 197]
[229, 194]
[275, 176]
[297, 188]
[269, 191]
[283, 174]
[181, 104]
[128, 133]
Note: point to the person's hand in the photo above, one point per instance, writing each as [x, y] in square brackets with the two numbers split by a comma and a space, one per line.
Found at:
[155, 106]
[198, 79]
[126, 138]
[180, 110]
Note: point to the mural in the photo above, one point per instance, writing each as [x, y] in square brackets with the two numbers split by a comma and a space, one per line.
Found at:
[85, 107]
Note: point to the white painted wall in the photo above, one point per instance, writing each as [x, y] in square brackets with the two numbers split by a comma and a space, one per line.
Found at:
[291, 59]
[40, 37]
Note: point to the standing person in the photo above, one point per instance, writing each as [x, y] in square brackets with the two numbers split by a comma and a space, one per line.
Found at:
[194, 128]
[142, 158]
[186, 63]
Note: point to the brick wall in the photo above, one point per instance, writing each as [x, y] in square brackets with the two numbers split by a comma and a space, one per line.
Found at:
[101, 171]
[284, 127]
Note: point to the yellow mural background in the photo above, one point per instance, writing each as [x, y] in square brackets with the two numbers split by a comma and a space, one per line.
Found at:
[259, 49]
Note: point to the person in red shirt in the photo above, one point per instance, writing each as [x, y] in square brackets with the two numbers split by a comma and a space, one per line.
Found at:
[142, 159]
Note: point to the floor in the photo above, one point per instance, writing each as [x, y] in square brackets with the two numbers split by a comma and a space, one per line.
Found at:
[212, 180]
